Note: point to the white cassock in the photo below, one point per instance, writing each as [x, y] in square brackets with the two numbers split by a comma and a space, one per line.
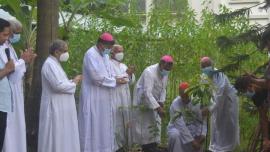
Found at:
[15, 138]
[96, 105]
[58, 123]
[149, 90]
[224, 116]
[122, 105]
[182, 132]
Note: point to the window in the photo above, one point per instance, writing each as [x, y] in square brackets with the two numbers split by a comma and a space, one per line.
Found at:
[172, 5]
[246, 1]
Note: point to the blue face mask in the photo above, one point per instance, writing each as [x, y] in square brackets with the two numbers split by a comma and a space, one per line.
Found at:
[164, 72]
[16, 38]
[209, 71]
[106, 52]
[249, 94]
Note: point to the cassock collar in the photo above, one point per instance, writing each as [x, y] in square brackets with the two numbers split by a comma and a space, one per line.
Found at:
[54, 58]
[97, 50]
[158, 72]
[115, 61]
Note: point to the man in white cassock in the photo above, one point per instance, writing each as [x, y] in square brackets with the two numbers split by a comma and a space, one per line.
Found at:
[186, 134]
[96, 116]
[122, 105]
[58, 123]
[16, 129]
[224, 110]
[149, 97]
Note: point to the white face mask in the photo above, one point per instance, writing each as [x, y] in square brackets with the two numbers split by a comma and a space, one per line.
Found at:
[64, 57]
[119, 56]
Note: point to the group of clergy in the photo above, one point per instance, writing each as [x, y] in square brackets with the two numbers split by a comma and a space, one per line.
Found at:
[108, 118]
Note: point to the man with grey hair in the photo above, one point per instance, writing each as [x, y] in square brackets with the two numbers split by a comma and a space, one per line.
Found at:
[16, 29]
[58, 123]
[16, 130]
[122, 97]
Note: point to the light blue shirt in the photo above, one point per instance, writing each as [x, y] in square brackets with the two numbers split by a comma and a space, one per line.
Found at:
[5, 92]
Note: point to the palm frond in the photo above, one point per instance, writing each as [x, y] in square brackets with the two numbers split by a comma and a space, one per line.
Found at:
[240, 57]
[221, 18]
[253, 35]
[230, 67]
[235, 62]
[224, 42]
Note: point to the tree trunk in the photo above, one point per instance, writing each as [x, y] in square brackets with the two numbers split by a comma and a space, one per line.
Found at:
[47, 26]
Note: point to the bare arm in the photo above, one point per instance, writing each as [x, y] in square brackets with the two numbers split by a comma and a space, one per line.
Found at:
[261, 82]
[3, 73]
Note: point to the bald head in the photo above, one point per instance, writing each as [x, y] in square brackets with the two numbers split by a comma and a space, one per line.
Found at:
[206, 62]
[117, 52]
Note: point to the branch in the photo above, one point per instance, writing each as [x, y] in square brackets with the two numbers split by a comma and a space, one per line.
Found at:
[254, 35]
[237, 13]
[236, 61]
[267, 5]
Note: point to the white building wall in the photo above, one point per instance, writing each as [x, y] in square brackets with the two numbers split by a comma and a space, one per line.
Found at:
[257, 16]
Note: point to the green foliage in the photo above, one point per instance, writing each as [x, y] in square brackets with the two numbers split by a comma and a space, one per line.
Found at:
[26, 12]
[201, 92]
[154, 130]
[187, 114]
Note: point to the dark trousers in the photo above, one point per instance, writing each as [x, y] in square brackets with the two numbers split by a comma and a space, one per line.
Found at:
[3, 125]
[153, 147]
[120, 150]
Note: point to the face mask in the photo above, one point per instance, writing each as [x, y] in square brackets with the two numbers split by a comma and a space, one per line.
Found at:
[16, 38]
[164, 72]
[209, 71]
[64, 57]
[119, 56]
[106, 52]
[249, 94]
